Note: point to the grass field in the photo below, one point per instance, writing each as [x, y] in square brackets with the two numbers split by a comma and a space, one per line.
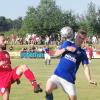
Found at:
[24, 91]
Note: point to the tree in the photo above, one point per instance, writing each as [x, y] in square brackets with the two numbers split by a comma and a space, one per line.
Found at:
[47, 18]
[5, 24]
[90, 21]
[44, 19]
[91, 18]
[98, 22]
[69, 19]
[17, 24]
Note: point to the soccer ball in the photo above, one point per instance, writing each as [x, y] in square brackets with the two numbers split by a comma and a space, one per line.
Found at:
[67, 32]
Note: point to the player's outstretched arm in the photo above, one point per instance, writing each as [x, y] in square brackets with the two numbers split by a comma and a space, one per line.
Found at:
[88, 75]
[61, 51]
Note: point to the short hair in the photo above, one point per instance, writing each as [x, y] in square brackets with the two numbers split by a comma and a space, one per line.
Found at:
[82, 32]
[2, 34]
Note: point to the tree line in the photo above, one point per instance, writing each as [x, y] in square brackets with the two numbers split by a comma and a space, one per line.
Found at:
[48, 18]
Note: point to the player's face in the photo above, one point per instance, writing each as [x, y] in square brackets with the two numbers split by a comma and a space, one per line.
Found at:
[2, 43]
[80, 39]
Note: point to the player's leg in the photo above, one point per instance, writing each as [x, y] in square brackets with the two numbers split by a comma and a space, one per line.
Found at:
[46, 59]
[50, 86]
[23, 69]
[72, 98]
[49, 62]
[49, 59]
[69, 88]
[5, 96]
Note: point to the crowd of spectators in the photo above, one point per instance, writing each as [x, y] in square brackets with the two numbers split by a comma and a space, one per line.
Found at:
[35, 44]
[45, 40]
[34, 39]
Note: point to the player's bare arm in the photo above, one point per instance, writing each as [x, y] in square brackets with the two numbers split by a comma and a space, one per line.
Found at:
[88, 74]
[70, 48]
[61, 51]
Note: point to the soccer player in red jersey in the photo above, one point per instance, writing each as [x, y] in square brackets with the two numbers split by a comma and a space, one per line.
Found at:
[8, 75]
[90, 53]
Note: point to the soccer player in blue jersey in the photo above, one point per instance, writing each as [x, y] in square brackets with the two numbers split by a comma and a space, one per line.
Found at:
[64, 75]
[47, 56]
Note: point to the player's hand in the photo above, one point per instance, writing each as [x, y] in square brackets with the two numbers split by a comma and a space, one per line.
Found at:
[70, 48]
[93, 82]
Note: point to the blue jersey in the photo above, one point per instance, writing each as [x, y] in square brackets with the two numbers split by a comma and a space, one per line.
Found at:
[46, 50]
[70, 61]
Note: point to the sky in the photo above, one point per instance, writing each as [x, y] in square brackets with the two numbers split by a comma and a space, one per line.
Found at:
[17, 8]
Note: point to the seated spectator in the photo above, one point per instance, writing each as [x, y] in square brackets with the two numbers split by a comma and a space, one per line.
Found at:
[11, 48]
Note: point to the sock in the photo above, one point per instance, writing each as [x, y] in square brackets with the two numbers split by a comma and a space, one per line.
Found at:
[49, 62]
[49, 96]
[30, 76]
[45, 62]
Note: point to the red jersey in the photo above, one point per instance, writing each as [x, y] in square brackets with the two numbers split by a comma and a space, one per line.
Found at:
[90, 52]
[5, 63]
[7, 74]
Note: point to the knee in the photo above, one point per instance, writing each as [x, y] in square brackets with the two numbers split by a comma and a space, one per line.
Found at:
[49, 88]
[23, 67]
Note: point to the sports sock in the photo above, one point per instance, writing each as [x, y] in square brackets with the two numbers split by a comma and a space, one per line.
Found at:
[45, 62]
[49, 96]
[30, 76]
[49, 62]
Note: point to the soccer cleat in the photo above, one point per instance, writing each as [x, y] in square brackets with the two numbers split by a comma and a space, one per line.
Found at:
[18, 81]
[37, 89]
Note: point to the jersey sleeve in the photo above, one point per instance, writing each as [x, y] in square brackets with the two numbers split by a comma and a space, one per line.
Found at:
[84, 58]
[64, 44]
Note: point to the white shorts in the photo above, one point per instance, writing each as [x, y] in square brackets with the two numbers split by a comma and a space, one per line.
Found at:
[47, 56]
[67, 86]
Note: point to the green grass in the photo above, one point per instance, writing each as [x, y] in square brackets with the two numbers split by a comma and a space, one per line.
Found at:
[24, 91]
